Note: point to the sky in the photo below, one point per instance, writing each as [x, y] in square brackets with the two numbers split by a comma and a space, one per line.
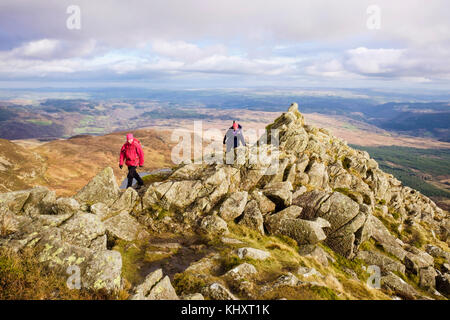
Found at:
[226, 43]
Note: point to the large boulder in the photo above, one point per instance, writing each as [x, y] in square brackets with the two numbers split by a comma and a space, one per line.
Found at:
[252, 217]
[280, 193]
[82, 230]
[126, 202]
[102, 188]
[303, 231]
[316, 252]
[241, 271]
[66, 205]
[125, 227]
[265, 204]
[233, 206]
[252, 253]
[384, 262]
[98, 269]
[180, 194]
[14, 201]
[443, 283]
[155, 287]
[416, 259]
[382, 235]
[318, 176]
[345, 216]
[437, 252]
[427, 277]
[394, 283]
[40, 201]
[214, 224]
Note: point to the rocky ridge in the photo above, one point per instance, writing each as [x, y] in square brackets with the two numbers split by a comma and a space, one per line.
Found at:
[333, 200]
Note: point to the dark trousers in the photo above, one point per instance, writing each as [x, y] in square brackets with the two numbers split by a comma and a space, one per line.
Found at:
[133, 174]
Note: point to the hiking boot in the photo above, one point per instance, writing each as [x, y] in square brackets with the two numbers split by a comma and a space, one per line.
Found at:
[138, 186]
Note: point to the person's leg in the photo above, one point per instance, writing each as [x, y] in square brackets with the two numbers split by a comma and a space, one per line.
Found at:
[138, 178]
[130, 176]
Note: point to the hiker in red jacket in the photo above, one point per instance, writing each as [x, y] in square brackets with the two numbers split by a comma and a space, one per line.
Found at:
[133, 155]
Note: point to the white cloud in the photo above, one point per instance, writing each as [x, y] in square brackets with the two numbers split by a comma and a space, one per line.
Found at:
[272, 39]
[374, 61]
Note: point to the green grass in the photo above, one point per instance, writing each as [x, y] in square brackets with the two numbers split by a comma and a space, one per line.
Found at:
[186, 283]
[23, 277]
[325, 293]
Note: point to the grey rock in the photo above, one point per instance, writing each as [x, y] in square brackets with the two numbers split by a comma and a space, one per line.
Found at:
[309, 272]
[318, 176]
[303, 231]
[382, 235]
[181, 194]
[443, 283]
[418, 260]
[40, 201]
[102, 188]
[66, 206]
[252, 217]
[264, 203]
[214, 224]
[82, 229]
[241, 271]
[233, 206]
[252, 253]
[279, 192]
[437, 252]
[100, 209]
[216, 291]
[398, 286]
[98, 269]
[155, 287]
[427, 277]
[126, 202]
[14, 201]
[125, 227]
[384, 262]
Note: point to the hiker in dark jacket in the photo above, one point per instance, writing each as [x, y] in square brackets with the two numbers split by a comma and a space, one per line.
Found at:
[234, 137]
[133, 155]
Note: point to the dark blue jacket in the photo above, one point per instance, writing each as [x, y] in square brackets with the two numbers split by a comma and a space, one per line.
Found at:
[233, 138]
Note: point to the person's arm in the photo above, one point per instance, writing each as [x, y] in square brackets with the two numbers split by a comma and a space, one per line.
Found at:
[140, 153]
[122, 156]
[225, 137]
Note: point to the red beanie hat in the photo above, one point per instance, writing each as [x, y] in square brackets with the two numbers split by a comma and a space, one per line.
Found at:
[235, 125]
[129, 136]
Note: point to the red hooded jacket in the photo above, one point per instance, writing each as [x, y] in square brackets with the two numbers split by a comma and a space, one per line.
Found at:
[132, 154]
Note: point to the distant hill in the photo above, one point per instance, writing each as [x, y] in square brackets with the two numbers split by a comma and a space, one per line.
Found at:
[430, 119]
[65, 165]
[20, 168]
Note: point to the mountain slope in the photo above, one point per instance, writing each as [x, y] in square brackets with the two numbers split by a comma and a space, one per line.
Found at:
[20, 168]
[321, 222]
[65, 165]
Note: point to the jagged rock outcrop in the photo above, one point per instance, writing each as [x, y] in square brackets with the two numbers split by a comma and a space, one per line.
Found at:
[299, 181]
[65, 234]
[102, 188]
[155, 287]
